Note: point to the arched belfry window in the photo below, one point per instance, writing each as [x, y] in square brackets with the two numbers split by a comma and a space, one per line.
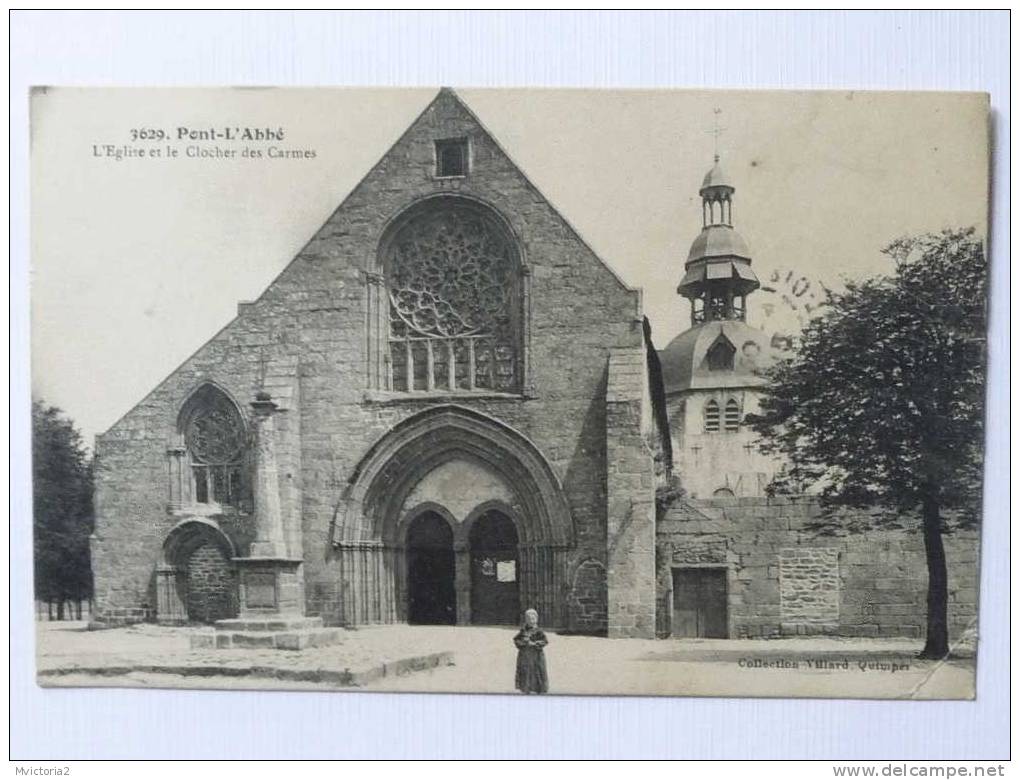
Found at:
[712, 417]
[731, 418]
[453, 280]
[216, 451]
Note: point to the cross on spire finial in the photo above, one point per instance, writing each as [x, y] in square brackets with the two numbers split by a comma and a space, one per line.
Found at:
[716, 131]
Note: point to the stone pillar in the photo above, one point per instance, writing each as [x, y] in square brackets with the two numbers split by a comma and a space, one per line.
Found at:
[399, 569]
[462, 583]
[179, 491]
[270, 582]
[271, 585]
[378, 312]
[527, 378]
[269, 539]
[630, 496]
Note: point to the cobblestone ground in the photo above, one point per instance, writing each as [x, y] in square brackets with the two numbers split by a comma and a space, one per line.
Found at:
[484, 661]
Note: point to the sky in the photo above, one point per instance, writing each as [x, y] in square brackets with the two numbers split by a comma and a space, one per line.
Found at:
[138, 262]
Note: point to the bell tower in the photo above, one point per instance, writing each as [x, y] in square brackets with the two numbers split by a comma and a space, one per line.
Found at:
[717, 275]
[712, 372]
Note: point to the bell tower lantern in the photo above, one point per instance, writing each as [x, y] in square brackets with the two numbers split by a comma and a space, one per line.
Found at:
[717, 275]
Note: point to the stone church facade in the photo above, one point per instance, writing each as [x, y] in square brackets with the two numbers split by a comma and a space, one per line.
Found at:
[461, 422]
[447, 409]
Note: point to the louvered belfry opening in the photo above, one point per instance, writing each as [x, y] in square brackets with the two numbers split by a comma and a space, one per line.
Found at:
[731, 419]
[711, 417]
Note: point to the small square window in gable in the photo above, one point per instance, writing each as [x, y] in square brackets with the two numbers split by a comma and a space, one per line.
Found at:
[452, 157]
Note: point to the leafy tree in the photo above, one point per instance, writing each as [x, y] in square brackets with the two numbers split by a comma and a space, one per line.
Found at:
[881, 403]
[62, 501]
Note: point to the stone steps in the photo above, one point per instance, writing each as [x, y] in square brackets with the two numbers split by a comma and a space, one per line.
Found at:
[193, 673]
[269, 623]
[119, 618]
[297, 639]
[276, 632]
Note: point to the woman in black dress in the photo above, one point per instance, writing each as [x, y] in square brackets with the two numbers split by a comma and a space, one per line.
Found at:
[531, 674]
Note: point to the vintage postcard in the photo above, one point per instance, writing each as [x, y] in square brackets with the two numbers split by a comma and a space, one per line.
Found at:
[541, 391]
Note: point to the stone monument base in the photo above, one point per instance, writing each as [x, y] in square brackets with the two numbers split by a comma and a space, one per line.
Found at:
[270, 632]
[272, 609]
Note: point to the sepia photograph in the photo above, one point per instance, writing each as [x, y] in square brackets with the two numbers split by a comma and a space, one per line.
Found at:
[509, 391]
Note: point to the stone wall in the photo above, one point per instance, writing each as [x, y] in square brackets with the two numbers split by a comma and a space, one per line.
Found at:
[134, 512]
[587, 600]
[212, 585]
[312, 335]
[630, 490]
[809, 585]
[727, 461]
[787, 577]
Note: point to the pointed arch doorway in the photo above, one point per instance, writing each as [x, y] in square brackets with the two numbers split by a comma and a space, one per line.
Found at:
[495, 570]
[370, 532]
[431, 569]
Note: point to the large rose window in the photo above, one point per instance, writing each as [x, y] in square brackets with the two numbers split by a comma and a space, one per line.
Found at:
[453, 280]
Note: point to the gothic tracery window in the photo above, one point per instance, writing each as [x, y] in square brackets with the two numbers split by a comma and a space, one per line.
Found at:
[216, 442]
[453, 280]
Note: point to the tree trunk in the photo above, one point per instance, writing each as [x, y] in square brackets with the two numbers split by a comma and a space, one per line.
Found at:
[60, 608]
[937, 641]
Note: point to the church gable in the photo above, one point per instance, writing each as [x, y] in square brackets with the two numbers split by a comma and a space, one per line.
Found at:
[318, 308]
[446, 150]
[510, 285]
[447, 154]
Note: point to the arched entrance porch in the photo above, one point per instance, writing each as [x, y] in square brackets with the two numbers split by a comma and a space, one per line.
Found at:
[370, 532]
[196, 580]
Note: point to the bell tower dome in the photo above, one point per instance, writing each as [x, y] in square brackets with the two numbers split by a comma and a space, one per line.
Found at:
[717, 275]
[712, 373]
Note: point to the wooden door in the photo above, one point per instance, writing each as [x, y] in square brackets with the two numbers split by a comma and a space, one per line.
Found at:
[495, 571]
[431, 597]
[699, 603]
